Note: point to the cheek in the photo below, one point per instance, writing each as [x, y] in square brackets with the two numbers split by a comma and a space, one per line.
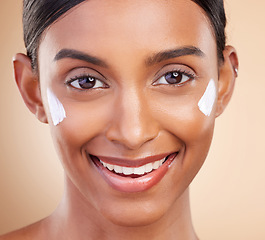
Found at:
[56, 108]
[194, 131]
[189, 126]
[208, 99]
[182, 117]
[85, 120]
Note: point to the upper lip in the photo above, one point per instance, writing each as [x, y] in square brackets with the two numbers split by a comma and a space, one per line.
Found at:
[133, 162]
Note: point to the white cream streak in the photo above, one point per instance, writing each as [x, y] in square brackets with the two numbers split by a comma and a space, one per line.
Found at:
[207, 100]
[56, 108]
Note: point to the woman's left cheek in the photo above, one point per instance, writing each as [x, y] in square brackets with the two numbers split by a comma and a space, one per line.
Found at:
[203, 121]
[184, 118]
[205, 108]
[207, 101]
[189, 118]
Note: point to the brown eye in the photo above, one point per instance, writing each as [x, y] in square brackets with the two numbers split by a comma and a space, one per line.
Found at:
[86, 82]
[173, 78]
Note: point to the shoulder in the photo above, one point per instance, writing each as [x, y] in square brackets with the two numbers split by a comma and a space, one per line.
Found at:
[27, 233]
[16, 235]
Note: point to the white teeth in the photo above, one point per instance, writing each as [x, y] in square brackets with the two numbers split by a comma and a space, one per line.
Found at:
[149, 167]
[161, 162]
[156, 165]
[118, 169]
[109, 166]
[127, 170]
[139, 170]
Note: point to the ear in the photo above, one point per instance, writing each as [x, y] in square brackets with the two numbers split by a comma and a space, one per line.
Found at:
[227, 76]
[28, 85]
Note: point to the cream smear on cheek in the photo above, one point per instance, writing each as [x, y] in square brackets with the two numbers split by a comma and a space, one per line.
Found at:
[56, 108]
[207, 100]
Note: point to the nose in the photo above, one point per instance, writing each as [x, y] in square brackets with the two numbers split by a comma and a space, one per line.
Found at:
[132, 124]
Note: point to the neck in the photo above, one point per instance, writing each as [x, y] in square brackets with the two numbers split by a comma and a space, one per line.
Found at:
[76, 218]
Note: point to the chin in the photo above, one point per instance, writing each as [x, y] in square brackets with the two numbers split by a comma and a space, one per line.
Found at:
[134, 217]
[138, 211]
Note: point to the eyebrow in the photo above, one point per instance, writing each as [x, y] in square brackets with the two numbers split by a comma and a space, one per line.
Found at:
[154, 59]
[75, 54]
[174, 53]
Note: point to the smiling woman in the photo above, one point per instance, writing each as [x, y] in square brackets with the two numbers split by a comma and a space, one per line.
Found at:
[131, 90]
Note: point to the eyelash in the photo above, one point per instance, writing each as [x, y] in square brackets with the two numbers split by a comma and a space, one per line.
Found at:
[97, 83]
[76, 81]
[163, 80]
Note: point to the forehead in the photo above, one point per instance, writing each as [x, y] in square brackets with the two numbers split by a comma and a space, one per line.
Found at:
[105, 26]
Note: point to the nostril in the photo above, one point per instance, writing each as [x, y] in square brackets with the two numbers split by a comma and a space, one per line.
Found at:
[132, 136]
[131, 142]
[133, 123]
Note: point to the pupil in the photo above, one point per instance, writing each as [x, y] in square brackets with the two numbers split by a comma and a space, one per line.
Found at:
[173, 77]
[87, 82]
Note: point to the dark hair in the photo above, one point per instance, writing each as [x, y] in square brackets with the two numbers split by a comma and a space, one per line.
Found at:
[38, 15]
[216, 13]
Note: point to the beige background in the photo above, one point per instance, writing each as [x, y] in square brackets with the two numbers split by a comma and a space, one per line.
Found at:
[228, 195]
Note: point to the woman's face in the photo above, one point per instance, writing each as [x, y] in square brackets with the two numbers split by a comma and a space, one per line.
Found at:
[130, 75]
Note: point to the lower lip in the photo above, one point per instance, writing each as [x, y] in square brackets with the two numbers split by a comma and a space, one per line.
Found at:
[131, 185]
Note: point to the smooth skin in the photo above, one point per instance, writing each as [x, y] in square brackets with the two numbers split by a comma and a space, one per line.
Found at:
[133, 113]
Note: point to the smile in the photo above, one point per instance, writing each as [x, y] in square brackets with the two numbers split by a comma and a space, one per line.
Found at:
[133, 175]
[138, 171]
